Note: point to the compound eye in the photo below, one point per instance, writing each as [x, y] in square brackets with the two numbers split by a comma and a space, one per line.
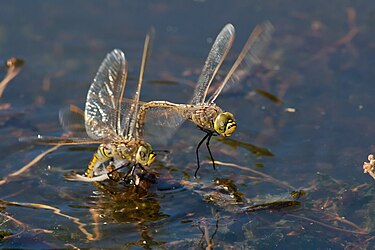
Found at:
[151, 157]
[219, 123]
[142, 154]
[225, 124]
[230, 128]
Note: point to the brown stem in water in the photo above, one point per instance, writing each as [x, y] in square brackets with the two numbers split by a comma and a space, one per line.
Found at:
[265, 176]
[13, 68]
[13, 175]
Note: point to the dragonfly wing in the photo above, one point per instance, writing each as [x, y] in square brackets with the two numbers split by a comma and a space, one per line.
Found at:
[51, 140]
[249, 56]
[128, 104]
[104, 98]
[213, 62]
[72, 119]
[162, 116]
[131, 116]
[161, 124]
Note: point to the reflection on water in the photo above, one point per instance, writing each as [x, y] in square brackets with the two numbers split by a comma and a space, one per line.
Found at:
[127, 205]
[305, 115]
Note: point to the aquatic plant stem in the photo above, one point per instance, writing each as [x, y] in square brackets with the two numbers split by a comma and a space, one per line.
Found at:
[265, 176]
[14, 67]
[81, 226]
[28, 165]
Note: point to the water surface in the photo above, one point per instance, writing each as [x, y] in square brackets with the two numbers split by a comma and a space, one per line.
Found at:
[319, 64]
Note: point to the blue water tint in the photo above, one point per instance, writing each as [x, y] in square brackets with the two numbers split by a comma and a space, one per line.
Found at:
[320, 64]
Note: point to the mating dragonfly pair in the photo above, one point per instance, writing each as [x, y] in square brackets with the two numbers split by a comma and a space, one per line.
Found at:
[117, 124]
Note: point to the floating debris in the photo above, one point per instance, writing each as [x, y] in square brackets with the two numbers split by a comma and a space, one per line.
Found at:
[290, 110]
[269, 96]
[369, 167]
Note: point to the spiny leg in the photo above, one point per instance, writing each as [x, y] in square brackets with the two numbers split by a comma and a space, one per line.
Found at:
[197, 153]
[209, 150]
[141, 167]
[131, 173]
[110, 174]
[125, 165]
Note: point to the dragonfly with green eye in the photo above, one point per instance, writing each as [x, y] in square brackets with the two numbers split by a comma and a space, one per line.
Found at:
[109, 121]
[202, 111]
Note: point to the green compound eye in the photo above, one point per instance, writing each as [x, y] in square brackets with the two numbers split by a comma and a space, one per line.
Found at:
[145, 155]
[225, 124]
[151, 158]
[230, 128]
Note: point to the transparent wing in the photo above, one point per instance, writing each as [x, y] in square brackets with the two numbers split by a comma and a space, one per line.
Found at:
[72, 119]
[161, 116]
[213, 62]
[160, 125]
[249, 56]
[51, 140]
[103, 105]
[131, 116]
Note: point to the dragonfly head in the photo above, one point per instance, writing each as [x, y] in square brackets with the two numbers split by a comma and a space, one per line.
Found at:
[225, 124]
[145, 155]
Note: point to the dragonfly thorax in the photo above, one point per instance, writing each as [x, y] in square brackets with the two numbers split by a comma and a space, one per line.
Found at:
[126, 150]
[211, 118]
[131, 150]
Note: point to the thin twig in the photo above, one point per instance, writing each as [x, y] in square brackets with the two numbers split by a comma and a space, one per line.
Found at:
[345, 40]
[361, 232]
[336, 217]
[265, 176]
[81, 226]
[71, 246]
[22, 225]
[11, 176]
[13, 68]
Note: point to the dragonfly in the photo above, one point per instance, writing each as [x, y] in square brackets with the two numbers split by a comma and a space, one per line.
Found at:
[108, 121]
[201, 110]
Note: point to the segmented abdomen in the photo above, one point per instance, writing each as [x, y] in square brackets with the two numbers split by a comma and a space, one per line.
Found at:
[103, 154]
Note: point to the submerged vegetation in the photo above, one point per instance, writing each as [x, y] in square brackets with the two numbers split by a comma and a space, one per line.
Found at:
[288, 177]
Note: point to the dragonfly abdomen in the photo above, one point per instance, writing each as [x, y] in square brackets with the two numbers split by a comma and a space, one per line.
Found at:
[103, 154]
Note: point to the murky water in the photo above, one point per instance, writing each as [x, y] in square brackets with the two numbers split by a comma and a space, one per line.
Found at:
[320, 64]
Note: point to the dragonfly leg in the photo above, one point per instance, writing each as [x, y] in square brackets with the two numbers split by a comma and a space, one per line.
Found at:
[110, 174]
[136, 180]
[197, 153]
[141, 167]
[130, 173]
[209, 150]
